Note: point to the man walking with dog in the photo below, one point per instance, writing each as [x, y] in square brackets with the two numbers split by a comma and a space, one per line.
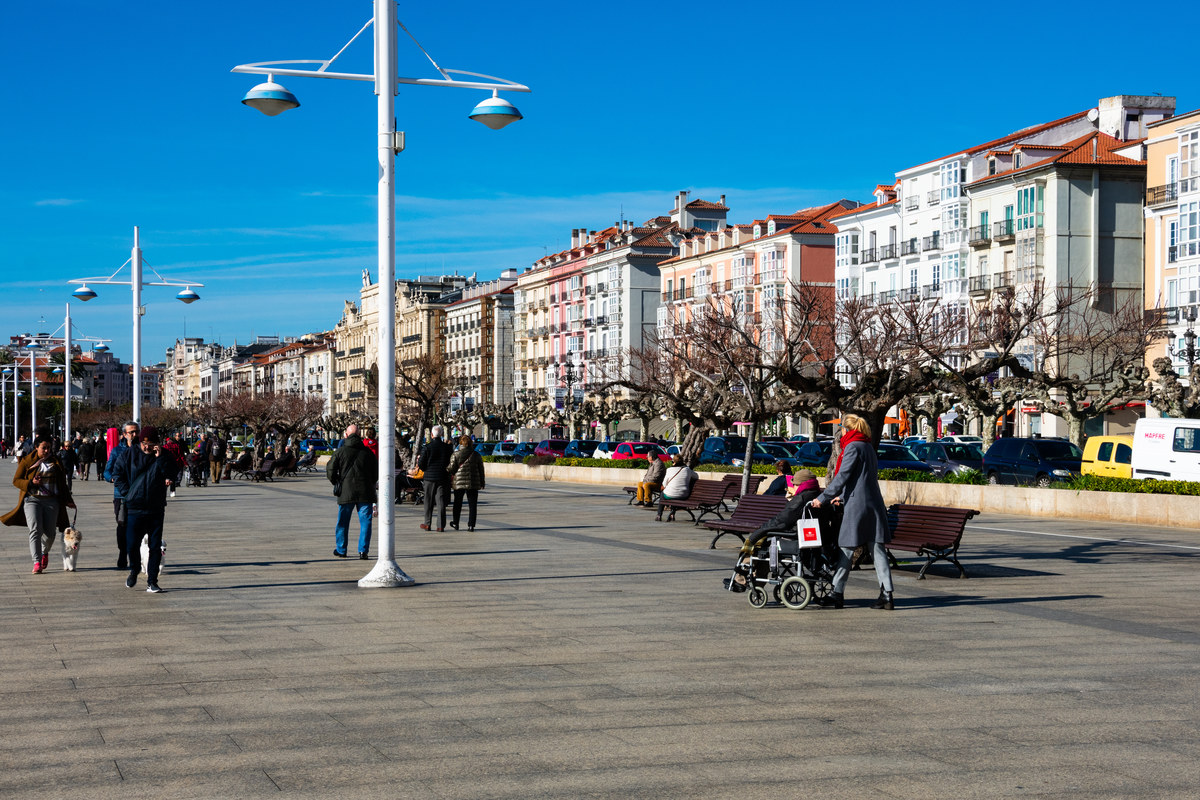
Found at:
[142, 476]
[353, 471]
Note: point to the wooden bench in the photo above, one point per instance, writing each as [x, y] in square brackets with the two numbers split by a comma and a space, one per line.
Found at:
[263, 473]
[930, 531]
[707, 497]
[752, 512]
[632, 492]
[736, 479]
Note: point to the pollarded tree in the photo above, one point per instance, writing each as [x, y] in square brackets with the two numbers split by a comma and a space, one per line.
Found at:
[1170, 395]
[422, 384]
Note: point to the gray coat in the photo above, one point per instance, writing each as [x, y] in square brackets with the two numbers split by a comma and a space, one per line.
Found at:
[864, 520]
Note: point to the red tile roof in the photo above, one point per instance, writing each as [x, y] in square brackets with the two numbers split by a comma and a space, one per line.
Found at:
[1091, 148]
[707, 204]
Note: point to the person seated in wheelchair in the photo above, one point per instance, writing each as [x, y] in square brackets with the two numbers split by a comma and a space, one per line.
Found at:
[806, 489]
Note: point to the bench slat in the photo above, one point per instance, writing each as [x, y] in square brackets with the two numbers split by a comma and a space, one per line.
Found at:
[932, 531]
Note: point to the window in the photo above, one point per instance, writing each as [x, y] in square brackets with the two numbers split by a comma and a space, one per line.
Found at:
[1186, 440]
[912, 279]
[1189, 161]
[1188, 231]
[1030, 204]
[951, 177]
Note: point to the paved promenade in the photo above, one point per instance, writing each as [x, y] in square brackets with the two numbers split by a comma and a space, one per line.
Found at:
[572, 647]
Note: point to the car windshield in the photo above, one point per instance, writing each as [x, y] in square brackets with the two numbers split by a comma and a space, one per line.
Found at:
[773, 449]
[735, 443]
[963, 452]
[1059, 451]
[894, 452]
[585, 444]
[508, 445]
[556, 444]
[641, 448]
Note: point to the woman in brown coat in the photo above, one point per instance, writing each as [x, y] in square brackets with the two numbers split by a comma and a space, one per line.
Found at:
[45, 498]
[467, 468]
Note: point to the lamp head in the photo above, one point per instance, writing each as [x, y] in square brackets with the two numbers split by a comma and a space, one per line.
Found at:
[100, 348]
[270, 98]
[83, 293]
[187, 296]
[495, 112]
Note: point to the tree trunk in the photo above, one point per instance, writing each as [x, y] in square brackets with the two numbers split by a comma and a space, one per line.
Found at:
[748, 463]
[693, 443]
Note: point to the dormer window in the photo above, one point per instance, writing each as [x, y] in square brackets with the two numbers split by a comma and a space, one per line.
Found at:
[1017, 159]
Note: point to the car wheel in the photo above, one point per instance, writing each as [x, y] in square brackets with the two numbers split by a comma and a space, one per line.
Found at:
[1043, 481]
[993, 479]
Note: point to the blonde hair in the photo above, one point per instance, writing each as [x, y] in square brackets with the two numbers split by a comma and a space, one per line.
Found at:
[853, 422]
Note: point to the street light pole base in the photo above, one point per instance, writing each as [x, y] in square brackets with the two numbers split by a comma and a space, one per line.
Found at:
[385, 575]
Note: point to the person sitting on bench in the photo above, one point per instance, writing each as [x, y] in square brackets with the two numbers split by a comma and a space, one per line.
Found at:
[677, 484]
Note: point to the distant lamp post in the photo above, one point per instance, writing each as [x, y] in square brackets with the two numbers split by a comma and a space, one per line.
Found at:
[4, 375]
[568, 376]
[1188, 350]
[135, 262]
[271, 98]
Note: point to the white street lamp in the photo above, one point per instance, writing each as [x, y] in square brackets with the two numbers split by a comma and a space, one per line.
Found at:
[4, 373]
[495, 112]
[136, 262]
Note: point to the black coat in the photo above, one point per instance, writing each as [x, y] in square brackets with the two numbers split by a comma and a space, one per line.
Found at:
[435, 461]
[356, 469]
[141, 478]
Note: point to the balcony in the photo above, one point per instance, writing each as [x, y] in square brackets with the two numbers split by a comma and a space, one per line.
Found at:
[912, 203]
[1004, 231]
[1185, 250]
[979, 285]
[870, 256]
[1002, 280]
[979, 236]
[590, 290]
[931, 291]
[1160, 195]
[888, 251]
[666, 297]
[601, 321]
[933, 242]
[885, 297]
[934, 197]
[602, 287]
[909, 247]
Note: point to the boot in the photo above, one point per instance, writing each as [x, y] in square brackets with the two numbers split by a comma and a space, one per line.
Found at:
[834, 600]
[884, 602]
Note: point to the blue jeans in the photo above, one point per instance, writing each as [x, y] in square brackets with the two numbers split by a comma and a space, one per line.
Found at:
[139, 523]
[343, 526]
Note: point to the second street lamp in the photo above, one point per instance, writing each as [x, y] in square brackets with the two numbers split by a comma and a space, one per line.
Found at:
[271, 98]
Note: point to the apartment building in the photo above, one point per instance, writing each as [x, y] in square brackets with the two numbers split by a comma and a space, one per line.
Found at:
[1172, 232]
[1052, 201]
[583, 306]
[750, 265]
[478, 343]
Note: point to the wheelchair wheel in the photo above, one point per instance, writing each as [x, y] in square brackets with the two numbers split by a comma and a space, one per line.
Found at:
[757, 597]
[822, 586]
[796, 593]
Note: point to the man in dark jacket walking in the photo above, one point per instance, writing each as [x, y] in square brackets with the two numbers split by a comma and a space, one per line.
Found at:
[142, 476]
[435, 462]
[353, 471]
[216, 457]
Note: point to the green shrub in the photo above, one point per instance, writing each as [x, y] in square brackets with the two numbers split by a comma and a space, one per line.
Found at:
[1105, 483]
[967, 477]
[911, 476]
[605, 463]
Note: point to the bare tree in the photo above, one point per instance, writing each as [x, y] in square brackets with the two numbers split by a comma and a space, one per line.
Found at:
[421, 384]
[1170, 395]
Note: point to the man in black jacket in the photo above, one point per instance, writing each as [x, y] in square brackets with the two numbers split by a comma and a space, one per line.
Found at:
[353, 471]
[142, 477]
[435, 462]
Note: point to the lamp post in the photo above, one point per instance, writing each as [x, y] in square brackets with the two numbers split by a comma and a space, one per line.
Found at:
[4, 402]
[568, 376]
[135, 282]
[271, 98]
[1189, 339]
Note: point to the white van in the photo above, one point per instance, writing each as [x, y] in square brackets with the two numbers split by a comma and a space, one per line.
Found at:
[1166, 449]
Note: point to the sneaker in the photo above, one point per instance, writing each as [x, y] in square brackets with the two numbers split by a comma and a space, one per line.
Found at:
[153, 589]
[362, 555]
[339, 555]
[37, 567]
[733, 586]
[131, 581]
[45, 560]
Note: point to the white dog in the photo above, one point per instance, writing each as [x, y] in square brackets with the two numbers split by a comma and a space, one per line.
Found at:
[145, 550]
[71, 539]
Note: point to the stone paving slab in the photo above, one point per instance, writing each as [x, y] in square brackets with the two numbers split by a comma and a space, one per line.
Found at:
[572, 647]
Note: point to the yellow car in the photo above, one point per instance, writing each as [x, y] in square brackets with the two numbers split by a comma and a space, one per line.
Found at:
[1108, 455]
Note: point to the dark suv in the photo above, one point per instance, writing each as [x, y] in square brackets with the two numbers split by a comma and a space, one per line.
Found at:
[1031, 461]
[581, 448]
[729, 450]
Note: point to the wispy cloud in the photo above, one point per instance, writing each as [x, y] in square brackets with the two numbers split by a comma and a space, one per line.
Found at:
[57, 201]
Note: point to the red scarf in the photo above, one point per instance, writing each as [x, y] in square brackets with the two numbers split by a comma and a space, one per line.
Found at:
[848, 438]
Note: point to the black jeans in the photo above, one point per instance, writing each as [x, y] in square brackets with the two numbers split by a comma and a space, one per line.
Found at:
[144, 522]
[121, 546]
[472, 496]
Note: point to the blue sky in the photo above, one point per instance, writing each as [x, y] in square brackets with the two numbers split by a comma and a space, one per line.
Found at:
[126, 114]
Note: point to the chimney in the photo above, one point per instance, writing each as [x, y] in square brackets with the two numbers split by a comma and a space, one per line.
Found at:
[722, 199]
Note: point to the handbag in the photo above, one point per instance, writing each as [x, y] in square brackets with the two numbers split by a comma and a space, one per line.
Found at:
[417, 474]
[808, 530]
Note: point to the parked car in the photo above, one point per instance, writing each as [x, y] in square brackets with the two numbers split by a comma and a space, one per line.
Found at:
[964, 439]
[815, 454]
[235, 442]
[1108, 455]
[730, 450]
[799, 437]
[605, 449]
[947, 458]
[1166, 449]
[504, 449]
[1023, 460]
[524, 449]
[897, 456]
[305, 446]
[642, 450]
[554, 448]
[674, 449]
[912, 441]
[485, 448]
[581, 448]
[777, 451]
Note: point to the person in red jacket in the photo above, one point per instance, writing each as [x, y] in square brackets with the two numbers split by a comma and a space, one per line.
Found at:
[370, 442]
